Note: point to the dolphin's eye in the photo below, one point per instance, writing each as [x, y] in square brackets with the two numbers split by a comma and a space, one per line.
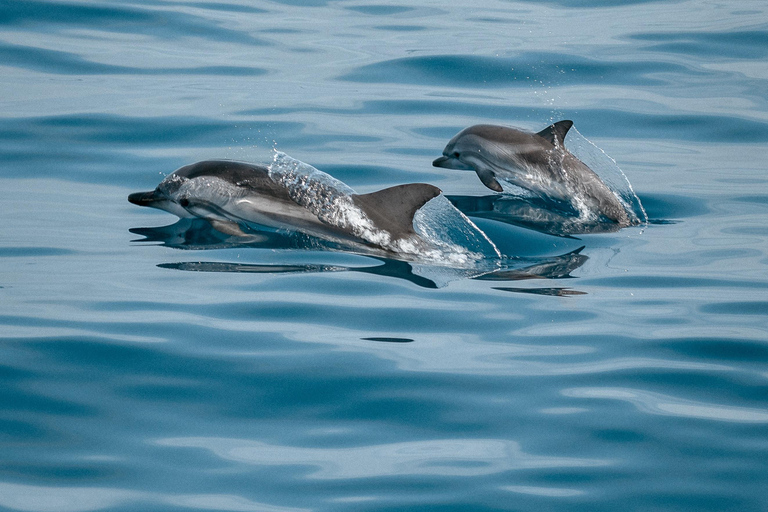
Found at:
[455, 154]
[184, 202]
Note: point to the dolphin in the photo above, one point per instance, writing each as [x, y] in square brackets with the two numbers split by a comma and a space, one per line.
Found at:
[537, 162]
[231, 195]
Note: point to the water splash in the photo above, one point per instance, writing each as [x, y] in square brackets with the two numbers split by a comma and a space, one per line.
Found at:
[609, 172]
[444, 235]
[327, 198]
[442, 223]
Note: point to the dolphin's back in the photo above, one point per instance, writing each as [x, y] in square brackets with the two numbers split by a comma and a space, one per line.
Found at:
[249, 176]
[497, 134]
[554, 134]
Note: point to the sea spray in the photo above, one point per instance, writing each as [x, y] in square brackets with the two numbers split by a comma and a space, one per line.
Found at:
[444, 235]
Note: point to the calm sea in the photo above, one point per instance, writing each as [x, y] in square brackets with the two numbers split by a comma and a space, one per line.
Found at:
[149, 365]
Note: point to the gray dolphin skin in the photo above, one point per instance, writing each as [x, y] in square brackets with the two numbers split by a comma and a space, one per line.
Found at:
[229, 194]
[537, 162]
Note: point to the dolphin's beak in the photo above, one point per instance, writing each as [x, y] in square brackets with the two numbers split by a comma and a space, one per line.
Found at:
[144, 198]
[440, 162]
[448, 162]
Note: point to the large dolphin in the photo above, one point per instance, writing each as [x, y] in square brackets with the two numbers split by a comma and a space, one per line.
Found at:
[537, 162]
[232, 194]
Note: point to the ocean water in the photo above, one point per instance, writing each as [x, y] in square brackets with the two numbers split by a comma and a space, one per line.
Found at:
[153, 365]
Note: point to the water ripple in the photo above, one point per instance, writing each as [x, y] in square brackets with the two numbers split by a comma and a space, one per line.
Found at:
[35, 498]
[102, 140]
[157, 22]
[522, 70]
[751, 44]
[125, 385]
[66, 63]
[551, 492]
[665, 405]
[654, 122]
[442, 457]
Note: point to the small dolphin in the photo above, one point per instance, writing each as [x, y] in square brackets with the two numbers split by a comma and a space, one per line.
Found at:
[231, 195]
[537, 162]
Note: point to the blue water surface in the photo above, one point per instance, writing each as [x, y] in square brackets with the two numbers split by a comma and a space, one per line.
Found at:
[154, 365]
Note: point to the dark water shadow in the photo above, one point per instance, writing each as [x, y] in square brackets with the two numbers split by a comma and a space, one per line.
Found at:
[519, 71]
[664, 207]
[197, 234]
[381, 339]
[732, 44]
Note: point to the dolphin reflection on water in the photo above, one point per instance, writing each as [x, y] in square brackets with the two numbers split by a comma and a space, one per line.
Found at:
[197, 234]
[530, 213]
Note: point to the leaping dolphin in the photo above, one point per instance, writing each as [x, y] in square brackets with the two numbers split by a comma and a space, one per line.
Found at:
[537, 162]
[232, 194]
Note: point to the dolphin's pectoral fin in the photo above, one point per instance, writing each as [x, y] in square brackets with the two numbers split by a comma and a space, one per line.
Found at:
[392, 209]
[555, 134]
[227, 227]
[489, 180]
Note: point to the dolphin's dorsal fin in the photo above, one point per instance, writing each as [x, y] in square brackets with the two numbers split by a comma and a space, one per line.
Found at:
[555, 133]
[392, 209]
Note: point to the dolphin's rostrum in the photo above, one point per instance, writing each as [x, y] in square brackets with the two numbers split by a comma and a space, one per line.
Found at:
[537, 162]
[231, 195]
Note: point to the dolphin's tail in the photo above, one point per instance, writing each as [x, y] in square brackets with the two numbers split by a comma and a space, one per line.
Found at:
[392, 209]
